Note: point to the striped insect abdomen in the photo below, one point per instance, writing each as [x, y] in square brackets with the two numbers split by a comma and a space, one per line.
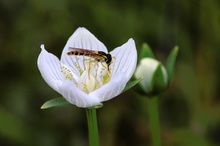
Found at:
[83, 53]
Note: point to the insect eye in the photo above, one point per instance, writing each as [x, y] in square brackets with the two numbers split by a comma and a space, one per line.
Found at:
[102, 53]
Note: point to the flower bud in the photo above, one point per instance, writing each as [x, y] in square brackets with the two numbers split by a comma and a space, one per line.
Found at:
[155, 76]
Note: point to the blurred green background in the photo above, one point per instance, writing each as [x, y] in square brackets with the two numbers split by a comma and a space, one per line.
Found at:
[189, 110]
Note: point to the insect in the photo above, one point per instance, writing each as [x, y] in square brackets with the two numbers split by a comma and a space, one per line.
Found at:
[99, 56]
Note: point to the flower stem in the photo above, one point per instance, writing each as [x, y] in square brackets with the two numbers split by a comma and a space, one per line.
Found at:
[154, 120]
[92, 127]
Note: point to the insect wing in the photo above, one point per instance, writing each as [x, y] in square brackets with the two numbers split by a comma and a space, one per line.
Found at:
[84, 52]
[80, 50]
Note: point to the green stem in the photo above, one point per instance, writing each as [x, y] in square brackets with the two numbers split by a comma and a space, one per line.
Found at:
[92, 127]
[154, 120]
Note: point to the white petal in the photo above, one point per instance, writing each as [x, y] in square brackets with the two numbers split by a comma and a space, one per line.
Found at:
[83, 39]
[125, 58]
[77, 97]
[113, 88]
[49, 66]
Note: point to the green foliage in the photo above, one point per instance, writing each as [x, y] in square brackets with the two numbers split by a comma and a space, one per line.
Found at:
[13, 127]
[185, 137]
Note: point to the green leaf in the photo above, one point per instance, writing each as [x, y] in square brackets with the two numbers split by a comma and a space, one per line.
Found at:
[146, 52]
[60, 101]
[131, 84]
[171, 61]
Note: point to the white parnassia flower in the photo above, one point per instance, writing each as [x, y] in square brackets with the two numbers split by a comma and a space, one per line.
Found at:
[152, 83]
[83, 81]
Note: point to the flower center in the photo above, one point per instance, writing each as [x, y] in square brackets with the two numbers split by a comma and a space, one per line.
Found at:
[93, 74]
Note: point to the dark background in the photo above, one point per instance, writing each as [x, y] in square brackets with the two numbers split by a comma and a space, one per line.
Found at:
[189, 110]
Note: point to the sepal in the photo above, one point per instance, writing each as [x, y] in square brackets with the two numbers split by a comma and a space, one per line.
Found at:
[132, 83]
[145, 52]
[159, 81]
[170, 63]
[55, 102]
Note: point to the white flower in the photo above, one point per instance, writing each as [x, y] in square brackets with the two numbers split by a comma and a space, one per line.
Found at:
[83, 81]
[147, 69]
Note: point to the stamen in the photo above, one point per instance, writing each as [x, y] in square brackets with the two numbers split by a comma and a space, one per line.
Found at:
[85, 88]
[66, 72]
[93, 73]
[84, 66]
[78, 67]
